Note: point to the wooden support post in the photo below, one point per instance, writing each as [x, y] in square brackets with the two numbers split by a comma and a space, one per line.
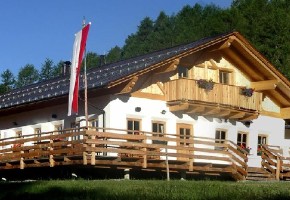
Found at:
[145, 154]
[85, 159]
[93, 153]
[278, 169]
[22, 163]
[127, 174]
[51, 161]
[167, 164]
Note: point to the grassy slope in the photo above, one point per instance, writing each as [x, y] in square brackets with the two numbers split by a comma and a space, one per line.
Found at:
[133, 189]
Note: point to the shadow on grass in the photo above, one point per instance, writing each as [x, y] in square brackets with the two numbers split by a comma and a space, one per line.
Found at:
[31, 191]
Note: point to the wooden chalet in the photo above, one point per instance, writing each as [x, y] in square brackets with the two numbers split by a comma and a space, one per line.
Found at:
[214, 106]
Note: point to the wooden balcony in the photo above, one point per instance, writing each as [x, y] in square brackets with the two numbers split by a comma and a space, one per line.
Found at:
[114, 148]
[223, 101]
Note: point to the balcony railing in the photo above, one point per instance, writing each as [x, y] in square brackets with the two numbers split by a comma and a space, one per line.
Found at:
[222, 95]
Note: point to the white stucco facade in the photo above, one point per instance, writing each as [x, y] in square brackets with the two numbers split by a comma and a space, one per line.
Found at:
[119, 108]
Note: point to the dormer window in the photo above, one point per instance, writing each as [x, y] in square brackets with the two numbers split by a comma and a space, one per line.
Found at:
[182, 72]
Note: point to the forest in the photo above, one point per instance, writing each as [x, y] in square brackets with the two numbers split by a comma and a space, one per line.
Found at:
[265, 23]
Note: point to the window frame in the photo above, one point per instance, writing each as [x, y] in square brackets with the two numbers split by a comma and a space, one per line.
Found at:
[157, 132]
[219, 140]
[259, 153]
[228, 77]
[182, 72]
[243, 144]
[134, 131]
[37, 133]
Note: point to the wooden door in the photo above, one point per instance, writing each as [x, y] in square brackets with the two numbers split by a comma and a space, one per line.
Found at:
[185, 133]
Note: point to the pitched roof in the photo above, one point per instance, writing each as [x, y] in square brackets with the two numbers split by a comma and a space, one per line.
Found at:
[97, 77]
[110, 74]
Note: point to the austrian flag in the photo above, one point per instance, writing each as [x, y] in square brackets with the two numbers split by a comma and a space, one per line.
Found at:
[78, 52]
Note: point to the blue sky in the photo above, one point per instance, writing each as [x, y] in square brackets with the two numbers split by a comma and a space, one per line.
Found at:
[33, 30]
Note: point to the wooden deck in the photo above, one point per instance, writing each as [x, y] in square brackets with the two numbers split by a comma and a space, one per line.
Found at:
[114, 148]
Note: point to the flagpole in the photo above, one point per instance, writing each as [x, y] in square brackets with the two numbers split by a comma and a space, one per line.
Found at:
[86, 83]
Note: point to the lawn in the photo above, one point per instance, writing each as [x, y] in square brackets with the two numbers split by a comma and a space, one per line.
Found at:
[143, 189]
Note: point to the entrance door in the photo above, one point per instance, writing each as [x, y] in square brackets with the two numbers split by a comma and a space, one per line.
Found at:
[185, 132]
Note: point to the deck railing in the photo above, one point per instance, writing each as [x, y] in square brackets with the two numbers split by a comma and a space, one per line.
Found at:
[229, 95]
[115, 147]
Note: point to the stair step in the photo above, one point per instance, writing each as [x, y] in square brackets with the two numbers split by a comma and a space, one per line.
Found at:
[259, 175]
[260, 179]
[256, 170]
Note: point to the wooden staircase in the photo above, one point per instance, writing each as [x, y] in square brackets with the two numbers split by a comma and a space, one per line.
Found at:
[259, 174]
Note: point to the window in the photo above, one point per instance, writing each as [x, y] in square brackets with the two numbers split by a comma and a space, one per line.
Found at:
[19, 134]
[37, 132]
[184, 134]
[262, 139]
[182, 72]
[58, 129]
[224, 77]
[75, 126]
[242, 140]
[133, 126]
[158, 127]
[220, 136]
[94, 123]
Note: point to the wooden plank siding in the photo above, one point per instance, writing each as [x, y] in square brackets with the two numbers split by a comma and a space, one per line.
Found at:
[115, 148]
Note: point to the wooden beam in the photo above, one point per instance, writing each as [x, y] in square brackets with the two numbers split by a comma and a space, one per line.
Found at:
[264, 85]
[227, 43]
[285, 113]
[161, 87]
[178, 107]
[129, 86]
[196, 109]
[169, 67]
[223, 113]
[201, 65]
[212, 111]
[249, 117]
[213, 64]
[236, 115]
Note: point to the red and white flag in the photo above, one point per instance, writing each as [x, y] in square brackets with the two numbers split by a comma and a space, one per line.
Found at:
[78, 52]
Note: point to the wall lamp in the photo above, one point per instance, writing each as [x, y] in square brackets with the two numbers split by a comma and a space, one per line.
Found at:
[137, 109]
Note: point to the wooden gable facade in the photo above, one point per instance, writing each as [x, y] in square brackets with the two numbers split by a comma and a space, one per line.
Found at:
[244, 84]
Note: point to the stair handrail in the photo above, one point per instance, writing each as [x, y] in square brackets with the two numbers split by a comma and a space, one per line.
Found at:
[239, 159]
[271, 160]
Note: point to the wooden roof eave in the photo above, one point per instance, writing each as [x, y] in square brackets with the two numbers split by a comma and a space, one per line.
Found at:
[265, 70]
[262, 60]
[170, 60]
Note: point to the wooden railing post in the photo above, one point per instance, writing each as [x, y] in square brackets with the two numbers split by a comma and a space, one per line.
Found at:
[93, 153]
[145, 153]
[85, 153]
[278, 169]
[21, 163]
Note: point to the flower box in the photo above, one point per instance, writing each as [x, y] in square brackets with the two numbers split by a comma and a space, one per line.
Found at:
[248, 92]
[205, 84]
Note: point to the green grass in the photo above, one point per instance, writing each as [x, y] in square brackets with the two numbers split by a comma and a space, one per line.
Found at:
[137, 189]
